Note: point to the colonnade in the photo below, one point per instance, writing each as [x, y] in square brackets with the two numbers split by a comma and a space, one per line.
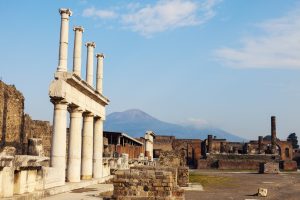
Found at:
[86, 128]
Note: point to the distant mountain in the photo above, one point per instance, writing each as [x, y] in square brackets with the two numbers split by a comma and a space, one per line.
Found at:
[136, 122]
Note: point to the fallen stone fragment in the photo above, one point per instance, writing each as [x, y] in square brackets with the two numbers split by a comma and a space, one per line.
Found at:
[262, 192]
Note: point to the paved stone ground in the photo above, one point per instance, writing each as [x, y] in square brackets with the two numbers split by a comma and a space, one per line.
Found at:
[90, 192]
[242, 186]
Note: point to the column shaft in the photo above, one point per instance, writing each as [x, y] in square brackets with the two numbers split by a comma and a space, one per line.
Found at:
[98, 148]
[63, 43]
[87, 147]
[99, 75]
[77, 50]
[90, 62]
[58, 147]
[74, 157]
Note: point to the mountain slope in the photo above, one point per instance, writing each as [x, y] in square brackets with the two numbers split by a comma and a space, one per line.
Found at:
[136, 123]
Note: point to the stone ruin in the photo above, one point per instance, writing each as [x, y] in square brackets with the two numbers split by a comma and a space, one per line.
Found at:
[147, 183]
[24, 142]
[162, 181]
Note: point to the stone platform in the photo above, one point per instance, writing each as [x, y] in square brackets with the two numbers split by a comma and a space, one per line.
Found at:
[63, 189]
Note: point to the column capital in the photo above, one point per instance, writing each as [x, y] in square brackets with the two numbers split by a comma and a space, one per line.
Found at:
[58, 101]
[99, 55]
[65, 11]
[78, 28]
[74, 109]
[88, 114]
[92, 44]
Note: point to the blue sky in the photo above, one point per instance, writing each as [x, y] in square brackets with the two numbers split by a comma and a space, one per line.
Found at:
[224, 63]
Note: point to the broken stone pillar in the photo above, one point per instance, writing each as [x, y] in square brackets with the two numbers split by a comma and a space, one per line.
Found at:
[35, 147]
[98, 148]
[58, 147]
[77, 50]
[63, 43]
[273, 134]
[74, 157]
[90, 62]
[260, 144]
[87, 147]
[209, 141]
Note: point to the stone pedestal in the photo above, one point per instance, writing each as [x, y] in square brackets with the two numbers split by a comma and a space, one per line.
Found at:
[87, 147]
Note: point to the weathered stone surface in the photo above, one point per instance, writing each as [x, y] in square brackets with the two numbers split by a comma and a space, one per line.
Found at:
[183, 176]
[35, 147]
[146, 183]
[11, 116]
[262, 192]
[288, 165]
[8, 151]
[269, 168]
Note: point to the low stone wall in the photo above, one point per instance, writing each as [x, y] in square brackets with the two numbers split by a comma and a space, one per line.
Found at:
[146, 183]
[238, 164]
[288, 165]
[269, 168]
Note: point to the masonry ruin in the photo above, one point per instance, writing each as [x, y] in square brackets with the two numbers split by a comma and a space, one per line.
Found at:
[221, 154]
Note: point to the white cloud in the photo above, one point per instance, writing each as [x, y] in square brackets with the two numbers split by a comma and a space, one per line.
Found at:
[161, 16]
[168, 14]
[277, 47]
[196, 123]
[102, 14]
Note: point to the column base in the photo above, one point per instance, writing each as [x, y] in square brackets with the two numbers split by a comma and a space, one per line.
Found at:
[86, 177]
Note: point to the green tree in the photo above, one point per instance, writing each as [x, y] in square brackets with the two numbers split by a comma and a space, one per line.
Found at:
[294, 139]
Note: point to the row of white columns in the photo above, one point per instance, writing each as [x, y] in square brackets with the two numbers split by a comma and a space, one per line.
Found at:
[86, 130]
[85, 143]
[63, 52]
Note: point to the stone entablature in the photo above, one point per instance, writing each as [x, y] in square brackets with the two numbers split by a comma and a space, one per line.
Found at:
[68, 87]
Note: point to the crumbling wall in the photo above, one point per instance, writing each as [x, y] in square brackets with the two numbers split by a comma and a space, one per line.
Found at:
[11, 116]
[146, 183]
[15, 126]
[37, 129]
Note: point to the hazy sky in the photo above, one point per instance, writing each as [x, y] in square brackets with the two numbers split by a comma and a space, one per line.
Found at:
[230, 64]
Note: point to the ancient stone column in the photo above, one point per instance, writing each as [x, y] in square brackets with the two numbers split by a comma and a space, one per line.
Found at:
[90, 62]
[273, 134]
[209, 141]
[74, 157]
[98, 147]
[77, 50]
[58, 147]
[87, 147]
[63, 43]
[260, 141]
[99, 76]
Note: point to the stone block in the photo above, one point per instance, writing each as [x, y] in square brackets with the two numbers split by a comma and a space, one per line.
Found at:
[35, 147]
[269, 168]
[262, 192]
